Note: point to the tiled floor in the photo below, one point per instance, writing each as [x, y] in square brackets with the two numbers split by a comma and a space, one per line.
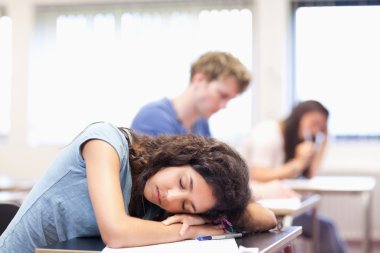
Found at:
[356, 247]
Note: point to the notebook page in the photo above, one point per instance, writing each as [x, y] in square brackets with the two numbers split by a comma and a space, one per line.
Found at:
[187, 246]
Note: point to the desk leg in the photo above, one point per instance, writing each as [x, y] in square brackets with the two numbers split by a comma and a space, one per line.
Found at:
[315, 242]
[288, 249]
[367, 199]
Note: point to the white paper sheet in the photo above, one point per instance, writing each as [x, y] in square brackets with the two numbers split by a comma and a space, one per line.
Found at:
[243, 249]
[281, 204]
[187, 246]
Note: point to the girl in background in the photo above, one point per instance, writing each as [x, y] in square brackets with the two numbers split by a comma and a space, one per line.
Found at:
[293, 148]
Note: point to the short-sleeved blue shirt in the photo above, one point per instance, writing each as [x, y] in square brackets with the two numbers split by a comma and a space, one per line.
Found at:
[59, 207]
[159, 117]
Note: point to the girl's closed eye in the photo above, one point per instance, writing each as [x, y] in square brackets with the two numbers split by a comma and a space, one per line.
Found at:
[181, 185]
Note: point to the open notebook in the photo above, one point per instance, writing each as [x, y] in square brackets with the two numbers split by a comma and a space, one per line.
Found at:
[187, 246]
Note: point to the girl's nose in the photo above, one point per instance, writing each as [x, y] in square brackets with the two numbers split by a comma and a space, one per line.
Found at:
[175, 195]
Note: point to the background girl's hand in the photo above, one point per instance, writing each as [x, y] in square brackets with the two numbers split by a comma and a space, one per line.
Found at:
[187, 220]
[305, 151]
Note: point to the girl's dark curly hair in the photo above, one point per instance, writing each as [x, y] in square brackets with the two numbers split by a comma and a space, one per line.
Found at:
[221, 167]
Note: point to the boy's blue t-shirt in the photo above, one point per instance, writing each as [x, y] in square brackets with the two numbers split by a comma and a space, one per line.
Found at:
[159, 117]
[59, 207]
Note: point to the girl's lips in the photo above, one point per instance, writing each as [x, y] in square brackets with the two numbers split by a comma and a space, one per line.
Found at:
[158, 196]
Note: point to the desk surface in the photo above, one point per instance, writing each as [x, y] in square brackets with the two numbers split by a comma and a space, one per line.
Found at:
[333, 184]
[292, 207]
[13, 197]
[272, 241]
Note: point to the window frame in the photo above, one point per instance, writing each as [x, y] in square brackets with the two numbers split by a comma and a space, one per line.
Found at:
[4, 136]
[295, 4]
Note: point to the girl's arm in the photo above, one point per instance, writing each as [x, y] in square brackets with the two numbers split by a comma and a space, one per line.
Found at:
[317, 158]
[303, 156]
[257, 218]
[272, 189]
[116, 227]
[291, 169]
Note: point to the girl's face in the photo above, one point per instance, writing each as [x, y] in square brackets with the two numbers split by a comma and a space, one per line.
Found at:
[312, 123]
[179, 190]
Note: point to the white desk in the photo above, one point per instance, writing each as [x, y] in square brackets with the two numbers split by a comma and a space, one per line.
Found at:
[13, 197]
[342, 185]
[9, 184]
[290, 207]
[14, 191]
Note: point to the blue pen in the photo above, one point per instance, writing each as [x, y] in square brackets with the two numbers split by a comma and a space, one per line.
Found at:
[218, 237]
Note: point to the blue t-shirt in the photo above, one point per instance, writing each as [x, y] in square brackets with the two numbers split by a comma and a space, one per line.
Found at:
[59, 207]
[160, 118]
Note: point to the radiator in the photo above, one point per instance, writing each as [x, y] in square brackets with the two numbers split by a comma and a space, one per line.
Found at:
[347, 210]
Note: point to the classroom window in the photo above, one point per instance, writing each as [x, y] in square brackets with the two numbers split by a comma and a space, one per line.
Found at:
[5, 74]
[103, 65]
[337, 57]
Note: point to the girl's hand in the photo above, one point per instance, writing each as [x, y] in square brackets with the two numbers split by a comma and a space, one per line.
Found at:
[304, 152]
[187, 220]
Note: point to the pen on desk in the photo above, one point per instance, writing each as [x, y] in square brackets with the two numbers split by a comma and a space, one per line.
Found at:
[218, 237]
